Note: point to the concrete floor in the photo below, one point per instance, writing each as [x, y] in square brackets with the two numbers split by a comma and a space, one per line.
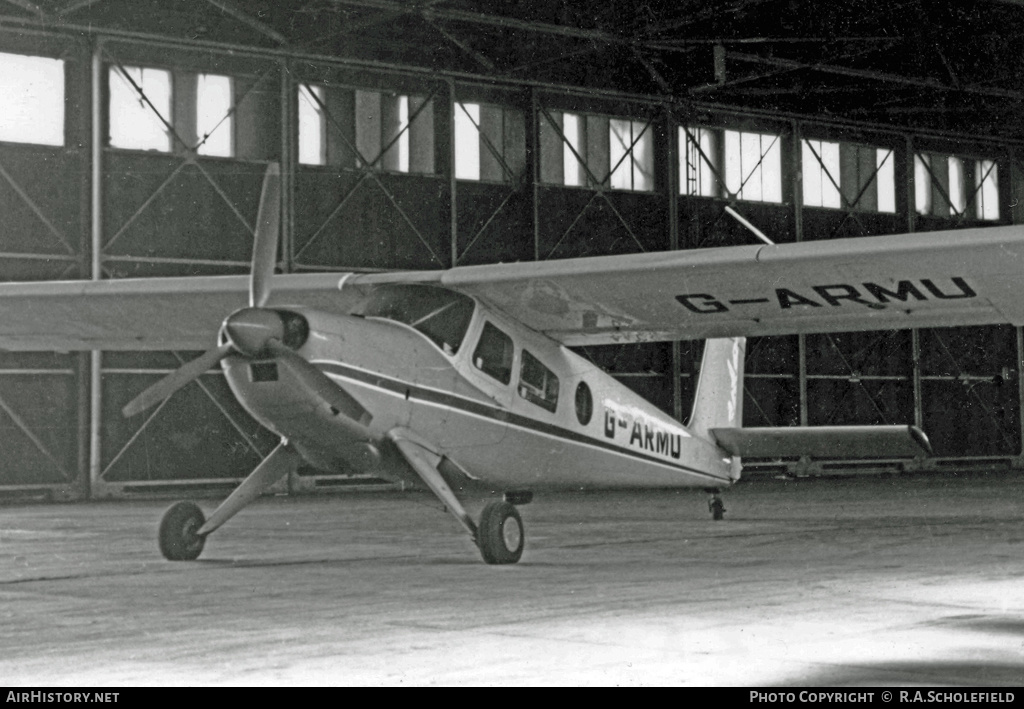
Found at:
[861, 581]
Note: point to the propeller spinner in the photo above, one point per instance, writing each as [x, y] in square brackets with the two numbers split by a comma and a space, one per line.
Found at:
[248, 331]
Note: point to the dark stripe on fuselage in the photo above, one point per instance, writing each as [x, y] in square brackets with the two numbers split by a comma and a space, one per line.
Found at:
[433, 396]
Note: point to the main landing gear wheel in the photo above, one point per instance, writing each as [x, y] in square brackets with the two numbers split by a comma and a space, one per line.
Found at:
[178, 538]
[501, 535]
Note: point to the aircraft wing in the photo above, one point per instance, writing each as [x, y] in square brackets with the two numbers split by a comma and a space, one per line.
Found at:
[934, 279]
[143, 314]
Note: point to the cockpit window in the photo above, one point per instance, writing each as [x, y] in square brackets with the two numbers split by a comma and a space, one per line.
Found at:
[442, 315]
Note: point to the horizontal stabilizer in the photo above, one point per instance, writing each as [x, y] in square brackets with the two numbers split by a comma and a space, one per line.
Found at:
[825, 441]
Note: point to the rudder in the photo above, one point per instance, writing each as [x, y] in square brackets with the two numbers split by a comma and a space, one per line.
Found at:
[718, 401]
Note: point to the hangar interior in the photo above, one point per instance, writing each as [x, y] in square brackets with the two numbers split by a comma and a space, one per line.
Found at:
[430, 134]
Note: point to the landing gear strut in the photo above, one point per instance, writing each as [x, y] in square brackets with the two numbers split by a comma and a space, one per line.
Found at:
[500, 535]
[179, 540]
[715, 505]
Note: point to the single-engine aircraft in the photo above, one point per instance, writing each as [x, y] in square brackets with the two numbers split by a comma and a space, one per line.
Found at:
[461, 380]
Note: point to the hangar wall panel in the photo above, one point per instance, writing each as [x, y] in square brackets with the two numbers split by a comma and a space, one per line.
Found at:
[44, 202]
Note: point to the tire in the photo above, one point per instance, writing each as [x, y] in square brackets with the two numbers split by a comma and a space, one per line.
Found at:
[178, 538]
[501, 533]
[717, 509]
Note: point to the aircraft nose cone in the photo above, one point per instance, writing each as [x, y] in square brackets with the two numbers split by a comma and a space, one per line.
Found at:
[249, 330]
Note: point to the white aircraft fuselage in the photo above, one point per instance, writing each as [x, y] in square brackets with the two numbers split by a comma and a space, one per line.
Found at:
[586, 430]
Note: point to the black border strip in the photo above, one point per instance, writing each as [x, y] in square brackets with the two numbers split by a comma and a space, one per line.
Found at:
[477, 408]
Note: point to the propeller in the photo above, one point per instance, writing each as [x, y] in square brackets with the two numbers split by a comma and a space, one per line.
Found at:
[317, 384]
[259, 332]
[264, 252]
[247, 330]
[176, 380]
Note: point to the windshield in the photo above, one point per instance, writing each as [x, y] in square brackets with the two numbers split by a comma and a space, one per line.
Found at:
[442, 315]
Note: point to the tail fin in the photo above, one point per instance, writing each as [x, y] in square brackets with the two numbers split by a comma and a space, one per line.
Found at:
[718, 402]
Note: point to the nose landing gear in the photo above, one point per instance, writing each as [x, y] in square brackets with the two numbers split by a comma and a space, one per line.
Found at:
[179, 540]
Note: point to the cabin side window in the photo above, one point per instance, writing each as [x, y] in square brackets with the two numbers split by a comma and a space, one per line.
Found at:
[584, 403]
[537, 383]
[493, 354]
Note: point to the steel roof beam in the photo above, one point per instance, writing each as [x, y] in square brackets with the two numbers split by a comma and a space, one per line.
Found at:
[872, 75]
[229, 8]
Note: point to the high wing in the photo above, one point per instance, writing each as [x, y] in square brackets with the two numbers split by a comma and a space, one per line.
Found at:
[935, 279]
[143, 314]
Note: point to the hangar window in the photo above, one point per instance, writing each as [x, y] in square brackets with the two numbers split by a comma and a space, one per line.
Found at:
[753, 166]
[573, 150]
[632, 165]
[374, 130]
[743, 165]
[850, 176]
[490, 143]
[821, 173]
[951, 186]
[214, 119]
[33, 91]
[986, 184]
[537, 383]
[699, 162]
[579, 150]
[493, 354]
[140, 108]
[312, 125]
[394, 132]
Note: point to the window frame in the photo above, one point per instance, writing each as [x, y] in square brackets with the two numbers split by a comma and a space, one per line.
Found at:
[483, 366]
[40, 109]
[538, 395]
[718, 154]
[490, 142]
[160, 116]
[584, 151]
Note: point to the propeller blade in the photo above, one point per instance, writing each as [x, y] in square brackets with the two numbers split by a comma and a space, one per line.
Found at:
[264, 252]
[319, 384]
[176, 380]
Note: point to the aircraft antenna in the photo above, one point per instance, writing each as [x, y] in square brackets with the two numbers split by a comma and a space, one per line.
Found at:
[757, 232]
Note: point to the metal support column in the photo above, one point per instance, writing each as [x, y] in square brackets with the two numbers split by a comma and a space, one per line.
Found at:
[453, 206]
[1019, 460]
[289, 137]
[96, 270]
[915, 362]
[796, 186]
[1012, 181]
[534, 131]
[915, 334]
[672, 188]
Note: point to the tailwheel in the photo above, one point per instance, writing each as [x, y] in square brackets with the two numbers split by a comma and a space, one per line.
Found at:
[715, 505]
[178, 538]
[500, 535]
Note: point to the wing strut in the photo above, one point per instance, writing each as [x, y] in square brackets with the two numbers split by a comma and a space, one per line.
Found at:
[425, 464]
